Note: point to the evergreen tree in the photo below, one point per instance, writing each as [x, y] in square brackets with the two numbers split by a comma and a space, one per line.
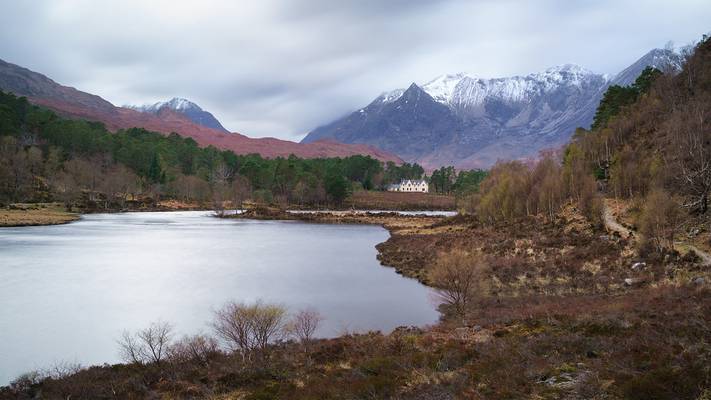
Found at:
[155, 173]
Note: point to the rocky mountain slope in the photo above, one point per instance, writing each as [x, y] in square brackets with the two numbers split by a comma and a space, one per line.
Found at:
[661, 59]
[70, 102]
[467, 121]
[183, 106]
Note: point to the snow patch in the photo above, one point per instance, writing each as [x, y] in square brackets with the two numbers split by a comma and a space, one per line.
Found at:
[176, 103]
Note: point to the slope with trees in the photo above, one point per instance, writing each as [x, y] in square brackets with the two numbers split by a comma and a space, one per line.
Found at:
[47, 158]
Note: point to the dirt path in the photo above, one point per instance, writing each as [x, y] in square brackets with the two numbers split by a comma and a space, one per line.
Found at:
[611, 222]
[612, 225]
[705, 257]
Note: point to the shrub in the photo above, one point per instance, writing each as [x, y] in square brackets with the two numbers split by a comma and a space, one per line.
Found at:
[196, 348]
[458, 277]
[249, 327]
[659, 220]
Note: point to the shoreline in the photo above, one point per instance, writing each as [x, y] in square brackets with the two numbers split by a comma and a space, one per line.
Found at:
[36, 217]
[389, 252]
[47, 214]
[550, 283]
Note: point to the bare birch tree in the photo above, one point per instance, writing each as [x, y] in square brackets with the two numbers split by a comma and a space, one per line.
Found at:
[148, 345]
[457, 277]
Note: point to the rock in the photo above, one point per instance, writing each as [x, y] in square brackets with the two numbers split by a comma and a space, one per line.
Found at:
[633, 281]
[624, 324]
[638, 266]
[563, 380]
[461, 333]
[698, 280]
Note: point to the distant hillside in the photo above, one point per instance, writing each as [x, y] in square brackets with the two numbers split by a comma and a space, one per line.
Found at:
[73, 103]
[467, 121]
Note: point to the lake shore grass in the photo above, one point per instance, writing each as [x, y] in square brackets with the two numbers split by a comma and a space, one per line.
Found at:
[35, 215]
[381, 200]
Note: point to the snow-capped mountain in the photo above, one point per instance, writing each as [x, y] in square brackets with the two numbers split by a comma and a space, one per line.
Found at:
[661, 59]
[183, 106]
[469, 121]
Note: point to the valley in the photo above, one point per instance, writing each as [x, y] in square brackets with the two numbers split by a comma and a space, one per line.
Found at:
[534, 229]
[72, 103]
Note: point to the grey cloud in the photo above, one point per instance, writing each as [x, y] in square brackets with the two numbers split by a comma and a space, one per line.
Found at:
[281, 67]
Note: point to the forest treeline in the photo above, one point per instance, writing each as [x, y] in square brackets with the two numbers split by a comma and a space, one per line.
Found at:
[44, 157]
[650, 143]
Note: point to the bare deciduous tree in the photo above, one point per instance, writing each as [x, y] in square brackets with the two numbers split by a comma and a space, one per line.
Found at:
[241, 190]
[130, 348]
[148, 345]
[196, 348]
[232, 324]
[268, 323]
[689, 130]
[61, 370]
[303, 326]
[156, 339]
[219, 179]
[119, 183]
[248, 327]
[659, 220]
[457, 277]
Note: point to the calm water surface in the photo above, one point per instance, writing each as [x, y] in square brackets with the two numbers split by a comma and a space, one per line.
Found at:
[67, 292]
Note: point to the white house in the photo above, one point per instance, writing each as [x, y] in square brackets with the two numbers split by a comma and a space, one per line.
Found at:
[410, 185]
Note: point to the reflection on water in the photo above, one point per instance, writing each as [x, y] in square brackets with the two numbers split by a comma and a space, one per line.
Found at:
[66, 292]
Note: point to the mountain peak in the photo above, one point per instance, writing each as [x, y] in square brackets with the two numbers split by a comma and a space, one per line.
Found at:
[176, 104]
[413, 92]
[413, 87]
[442, 87]
[179, 103]
[661, 59]
[185, 107]
[569, 68]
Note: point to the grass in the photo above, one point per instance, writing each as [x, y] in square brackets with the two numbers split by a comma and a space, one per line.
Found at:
[35, 214]
[375, 200]
[650, 344]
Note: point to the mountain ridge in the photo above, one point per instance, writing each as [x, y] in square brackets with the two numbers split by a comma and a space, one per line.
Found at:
[496, 118]
[70, 102]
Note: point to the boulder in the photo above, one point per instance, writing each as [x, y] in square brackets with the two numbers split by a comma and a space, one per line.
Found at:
[634, 281]
[639, 266]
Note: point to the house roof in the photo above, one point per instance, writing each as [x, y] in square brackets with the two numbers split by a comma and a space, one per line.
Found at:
[415, 182]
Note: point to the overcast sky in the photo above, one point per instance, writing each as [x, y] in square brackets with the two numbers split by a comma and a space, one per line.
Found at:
[281, 68]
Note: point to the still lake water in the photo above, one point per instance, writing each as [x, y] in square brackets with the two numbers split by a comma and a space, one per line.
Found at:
[67, 291]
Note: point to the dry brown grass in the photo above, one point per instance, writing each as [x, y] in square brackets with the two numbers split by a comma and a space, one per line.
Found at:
[178, 205]
[372, 200]
[25, 215]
